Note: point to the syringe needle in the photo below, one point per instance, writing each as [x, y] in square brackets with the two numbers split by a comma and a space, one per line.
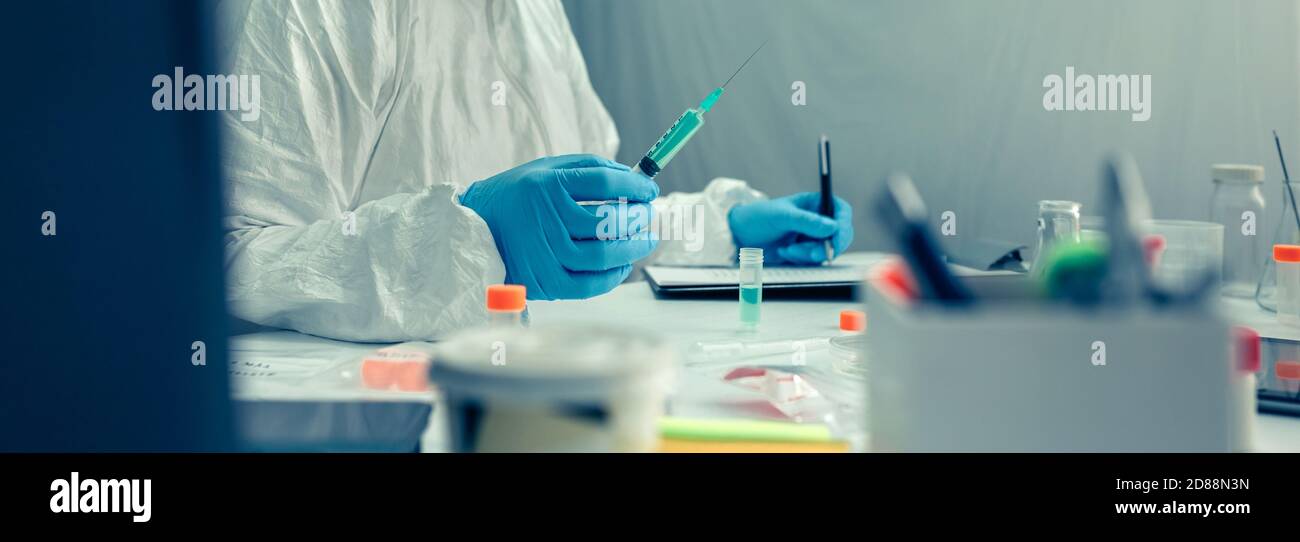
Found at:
[742, 65]
[681, 131]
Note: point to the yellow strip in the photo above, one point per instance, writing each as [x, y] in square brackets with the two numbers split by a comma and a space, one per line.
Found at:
[668, 445]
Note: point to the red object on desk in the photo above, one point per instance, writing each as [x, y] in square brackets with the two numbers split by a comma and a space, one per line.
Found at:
[1287, 370]
[1248, 358]
[1152, 247]
[390, 368]
[851, 320]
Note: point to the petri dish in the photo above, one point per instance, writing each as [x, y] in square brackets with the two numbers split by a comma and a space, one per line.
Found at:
[848, 354]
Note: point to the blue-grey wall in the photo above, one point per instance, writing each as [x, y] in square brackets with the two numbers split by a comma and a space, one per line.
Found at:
[951, 92]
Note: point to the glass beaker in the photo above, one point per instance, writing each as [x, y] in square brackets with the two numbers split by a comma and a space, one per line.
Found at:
[1287, 233]
[1190, 249]
[1058, 222]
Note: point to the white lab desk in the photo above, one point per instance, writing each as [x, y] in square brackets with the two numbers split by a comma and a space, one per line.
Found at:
[699, 391]
[682, 323]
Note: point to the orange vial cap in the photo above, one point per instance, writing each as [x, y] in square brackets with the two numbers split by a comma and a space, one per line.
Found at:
[506, 297]
[851, 320]
[1286, 253]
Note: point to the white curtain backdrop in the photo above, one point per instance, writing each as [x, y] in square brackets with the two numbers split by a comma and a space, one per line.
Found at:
[951, 92]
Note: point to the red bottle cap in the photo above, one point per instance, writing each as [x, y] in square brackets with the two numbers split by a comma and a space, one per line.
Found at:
[506, 297]
[851, 320]
[1248, 358]
[1286, 253]
[1287, 370]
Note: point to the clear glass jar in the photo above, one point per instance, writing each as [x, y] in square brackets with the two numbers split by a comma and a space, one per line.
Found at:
[1058, 221]
[1238, 204]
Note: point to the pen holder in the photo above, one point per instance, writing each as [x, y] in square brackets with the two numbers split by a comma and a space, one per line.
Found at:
[1018, 374]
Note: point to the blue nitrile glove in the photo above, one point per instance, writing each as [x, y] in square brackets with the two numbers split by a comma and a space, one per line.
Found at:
[789, 229]
[552, 245]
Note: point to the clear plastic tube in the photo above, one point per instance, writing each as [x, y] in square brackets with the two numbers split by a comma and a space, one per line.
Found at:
[507, 305]
[751, 287]
[506, 318]
[745, 350]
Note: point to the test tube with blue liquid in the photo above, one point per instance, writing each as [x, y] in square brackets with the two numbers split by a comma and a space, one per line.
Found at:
[751, 287]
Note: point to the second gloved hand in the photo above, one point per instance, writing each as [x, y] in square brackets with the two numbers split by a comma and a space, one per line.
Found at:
[789, 229]
[550, 244]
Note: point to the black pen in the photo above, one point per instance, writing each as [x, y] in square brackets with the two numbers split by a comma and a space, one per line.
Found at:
[828, 199]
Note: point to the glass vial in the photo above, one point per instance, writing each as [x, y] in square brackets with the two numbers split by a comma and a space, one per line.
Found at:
[1287, 233]
[1058, 222]
[1238, 204]
[751, 286]
[506, 304]
[1287, 259]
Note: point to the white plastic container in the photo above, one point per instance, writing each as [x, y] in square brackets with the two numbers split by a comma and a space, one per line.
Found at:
[549, 388]
[1287, 259]
[1021, 376]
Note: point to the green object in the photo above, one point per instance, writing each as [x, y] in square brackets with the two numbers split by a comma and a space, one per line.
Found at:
[708, 101]
[681, 131]
[663, 151]
[742, 430]
[1075, 271]
[751, 303]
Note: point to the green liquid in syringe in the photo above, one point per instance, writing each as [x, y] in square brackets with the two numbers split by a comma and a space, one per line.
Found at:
[751, 299]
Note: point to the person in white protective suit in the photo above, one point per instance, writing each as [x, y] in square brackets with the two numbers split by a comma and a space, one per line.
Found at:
[408, 154]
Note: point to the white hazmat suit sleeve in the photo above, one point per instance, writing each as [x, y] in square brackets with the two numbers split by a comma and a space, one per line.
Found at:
[693, 225]
[305, 250]
[405, 267]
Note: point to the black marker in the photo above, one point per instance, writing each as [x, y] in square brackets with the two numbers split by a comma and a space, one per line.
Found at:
[828, 199]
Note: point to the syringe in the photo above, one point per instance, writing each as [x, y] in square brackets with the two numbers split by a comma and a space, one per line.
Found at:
[681, 131]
